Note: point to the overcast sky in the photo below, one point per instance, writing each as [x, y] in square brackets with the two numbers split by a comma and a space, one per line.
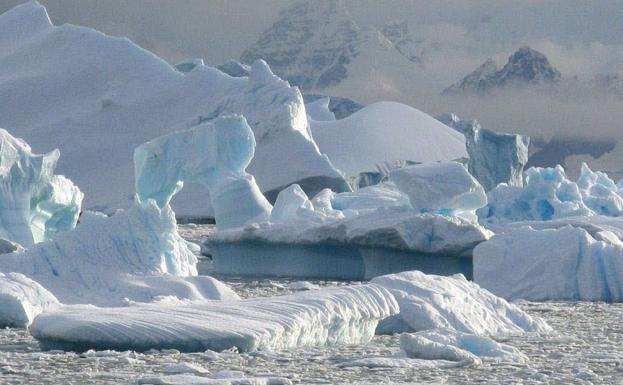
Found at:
[579, 37]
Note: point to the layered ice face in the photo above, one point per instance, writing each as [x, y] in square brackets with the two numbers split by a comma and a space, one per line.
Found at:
[212, 154]
[35, 204]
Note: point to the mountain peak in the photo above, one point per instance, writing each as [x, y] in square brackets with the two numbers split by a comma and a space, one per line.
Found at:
[525, 67]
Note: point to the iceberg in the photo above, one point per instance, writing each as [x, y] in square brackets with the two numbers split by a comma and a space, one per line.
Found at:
[549, 194]
[450, 345]
[318, 110]
[494, 158]
[22, 299]
[118, 95]
[430, 302]
[445, 188]
[212, 154]
[386, 134]
[35, 204]
[134, 255]
[320, 317]
[565, 263]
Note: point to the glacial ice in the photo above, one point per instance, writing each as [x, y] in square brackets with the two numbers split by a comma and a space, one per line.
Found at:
[450, 345]
[35, 204]
[22, 299]
[212, 154]
[319, 317]
[494, 158]
[318, 110]
[386, 134]
[565, 263]
[435, 302]
[445, 188]
[549, 194]
[118, 95]
[134, 255]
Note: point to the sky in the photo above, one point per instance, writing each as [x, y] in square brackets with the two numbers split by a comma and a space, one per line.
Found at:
[581, 38]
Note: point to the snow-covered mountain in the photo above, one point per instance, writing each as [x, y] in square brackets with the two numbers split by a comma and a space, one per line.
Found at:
[525, 67]
[97, 97]
[317, 45]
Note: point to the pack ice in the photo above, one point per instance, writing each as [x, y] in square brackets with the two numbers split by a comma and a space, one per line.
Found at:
[35, 204]
[117, 96]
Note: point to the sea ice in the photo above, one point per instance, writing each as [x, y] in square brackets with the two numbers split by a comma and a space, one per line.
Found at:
[185, 379]
[435, 302]
[22, 299]
[345, 315]
[212, 154]
[565, 263]
[35, 204]
[451, 345]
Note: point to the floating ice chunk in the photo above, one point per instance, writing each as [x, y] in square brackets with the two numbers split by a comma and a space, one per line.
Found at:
[319, 110]
[448, 344]
[185, 367]
[432, 302]
[552, 264]
[35, 204]
[134, 255]
[213, 154]
[319, 317]
[293, 205]
[22, 299]
[494, 158]
[440, 187]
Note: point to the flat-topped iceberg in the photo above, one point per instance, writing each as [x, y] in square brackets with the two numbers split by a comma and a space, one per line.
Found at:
[93, 95]
[565, 263]
[549, 194]
[35, 204]
[318, 317]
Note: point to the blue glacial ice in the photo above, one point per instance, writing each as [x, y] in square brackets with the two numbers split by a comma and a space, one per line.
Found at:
[549, 194]
[35, 204]
[212, 154]
[494, 158]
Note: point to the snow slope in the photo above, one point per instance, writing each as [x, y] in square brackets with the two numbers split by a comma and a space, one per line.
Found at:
[97, 97]
[318, 317]
[386, 133]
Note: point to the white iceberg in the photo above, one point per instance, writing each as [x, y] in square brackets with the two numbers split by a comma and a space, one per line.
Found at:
[22, 299]
[214, 155]
[318, 110]
[345, 315]
[450, 345]
[445, 188]
[435, 302]
[386, 134]
[98, 97]
[35, 204]
[565, 263]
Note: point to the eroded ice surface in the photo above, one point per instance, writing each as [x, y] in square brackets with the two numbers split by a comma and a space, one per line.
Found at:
[35, 204]
[319, 317]
[215, 155]
[432, 302]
